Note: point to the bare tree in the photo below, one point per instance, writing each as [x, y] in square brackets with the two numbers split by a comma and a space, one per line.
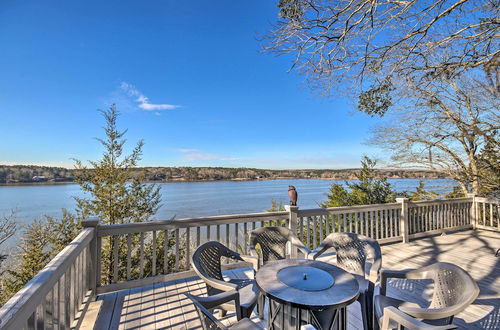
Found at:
[8, 227]
[446, 125]
[434, 63]
[359, 43]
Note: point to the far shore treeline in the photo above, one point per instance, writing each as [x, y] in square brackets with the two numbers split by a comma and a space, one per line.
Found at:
[13, 174]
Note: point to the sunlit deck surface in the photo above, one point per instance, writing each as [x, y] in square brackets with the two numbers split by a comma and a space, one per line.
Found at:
[162, 306]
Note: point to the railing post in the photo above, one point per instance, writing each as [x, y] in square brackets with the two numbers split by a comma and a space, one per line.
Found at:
[473, 210]
[292, 225]
[403, 221]
[94, 223]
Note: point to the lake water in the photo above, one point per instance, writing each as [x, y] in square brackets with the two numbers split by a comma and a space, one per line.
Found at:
[192, 199]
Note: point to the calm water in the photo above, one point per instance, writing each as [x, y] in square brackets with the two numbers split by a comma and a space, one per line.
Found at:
[191, 199]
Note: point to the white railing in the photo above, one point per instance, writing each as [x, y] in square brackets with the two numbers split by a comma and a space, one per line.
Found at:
[106, 258]
[487, 213]
[58, 296]
[388, 222]
[157, 251]
[380, 221]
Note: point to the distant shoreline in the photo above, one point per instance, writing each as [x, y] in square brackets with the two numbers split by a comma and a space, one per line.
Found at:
[49, 183]
[44, 175]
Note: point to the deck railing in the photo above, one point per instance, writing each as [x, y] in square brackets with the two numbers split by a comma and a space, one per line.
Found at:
[58, 296]
[106, 258]
[487, 212]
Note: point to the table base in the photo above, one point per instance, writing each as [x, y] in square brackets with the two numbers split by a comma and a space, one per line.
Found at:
[286, 317]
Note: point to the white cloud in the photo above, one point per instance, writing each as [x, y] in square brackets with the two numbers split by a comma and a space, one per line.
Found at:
[143, 100]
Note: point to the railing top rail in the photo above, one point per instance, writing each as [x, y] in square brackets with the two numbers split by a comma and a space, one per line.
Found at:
[440, 201]
[347, 209]
[487, 200]
[127, 228]
[25, 301]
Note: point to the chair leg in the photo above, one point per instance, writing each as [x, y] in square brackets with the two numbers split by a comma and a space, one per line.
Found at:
[375, 324]
[369, 304]
[364, 309]
[369, 311]
[261, 300]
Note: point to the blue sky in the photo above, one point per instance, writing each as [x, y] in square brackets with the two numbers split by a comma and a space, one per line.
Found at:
[188, 77]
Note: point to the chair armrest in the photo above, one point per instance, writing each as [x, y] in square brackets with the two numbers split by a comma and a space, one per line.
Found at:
[298, 244]
[221, 285]
[252, 260]
[374, 271]
[386, 273]
[430, 313]
[216, 300]
[408, 322]
[318, 251]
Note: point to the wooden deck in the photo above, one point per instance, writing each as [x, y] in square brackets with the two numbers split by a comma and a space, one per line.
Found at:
[162, 306]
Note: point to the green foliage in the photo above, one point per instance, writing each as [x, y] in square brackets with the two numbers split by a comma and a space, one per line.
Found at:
[41, 241]
[489, 168]
[33, 256]
[117, 192]
[290, 9]
[457, 192]
[115, 199]
[422, 194]
[377, 99]
[276, 206]
[62, 230]
[367, 190]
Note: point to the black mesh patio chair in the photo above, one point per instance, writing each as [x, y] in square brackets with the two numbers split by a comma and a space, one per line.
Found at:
[454, 290]
[273, 243]
[209, 322]
[206, 262]
[351, 254]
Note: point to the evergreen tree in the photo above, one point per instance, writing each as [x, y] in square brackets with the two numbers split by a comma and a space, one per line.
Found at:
[40, 242]
[113, 198]
[489, 167]
[422, 194]
[367, 190]
[33, 255]
[115, 195]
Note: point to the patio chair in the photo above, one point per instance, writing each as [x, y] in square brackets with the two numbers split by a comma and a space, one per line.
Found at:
[273, 244]
[454, 290]
[209, 322]
[395, 319]
[206, 262]
[352, 251]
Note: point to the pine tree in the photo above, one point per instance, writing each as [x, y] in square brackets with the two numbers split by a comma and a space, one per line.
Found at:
[33, 255]
[367, 190]
[117, 193]
[117, 196]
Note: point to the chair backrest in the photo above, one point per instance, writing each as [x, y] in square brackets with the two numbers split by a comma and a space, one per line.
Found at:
[453, 286]
[206, 260]
[352, 250]
[208, 321]
[272, 241]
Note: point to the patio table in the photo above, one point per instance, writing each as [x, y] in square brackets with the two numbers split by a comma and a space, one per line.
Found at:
[306, 292]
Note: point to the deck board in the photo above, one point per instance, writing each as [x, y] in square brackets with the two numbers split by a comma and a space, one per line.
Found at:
[163, 305]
